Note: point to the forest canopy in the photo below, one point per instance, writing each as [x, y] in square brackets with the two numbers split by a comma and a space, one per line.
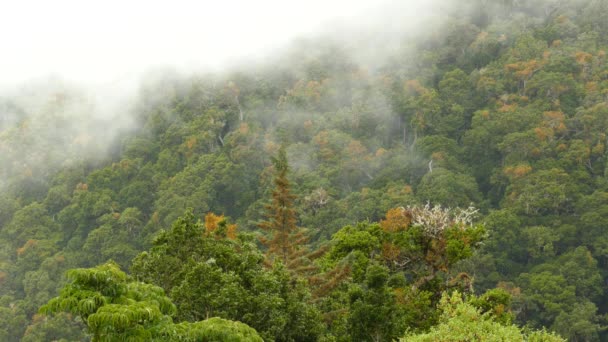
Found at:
[454, 189]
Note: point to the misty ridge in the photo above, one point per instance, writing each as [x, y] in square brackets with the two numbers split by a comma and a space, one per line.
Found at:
[46, 125]
[402, 170]
[49, 122]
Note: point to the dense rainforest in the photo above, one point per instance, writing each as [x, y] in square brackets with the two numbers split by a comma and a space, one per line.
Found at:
[452, 188]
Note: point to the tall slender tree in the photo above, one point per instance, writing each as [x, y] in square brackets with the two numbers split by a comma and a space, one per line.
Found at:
[286, 241]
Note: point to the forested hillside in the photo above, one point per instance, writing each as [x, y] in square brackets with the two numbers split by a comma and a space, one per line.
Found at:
[456, 187]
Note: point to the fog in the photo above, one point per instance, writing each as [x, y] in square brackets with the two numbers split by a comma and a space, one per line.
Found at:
[110, 41]
[70, 71]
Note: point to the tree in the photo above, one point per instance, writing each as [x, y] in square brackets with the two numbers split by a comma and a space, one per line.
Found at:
[543, 191]
[114, 239]
[373, 312]
[110, 305]
[546, 295]
[114, 307]
[13, 319]
[422, 241]
[449, 188]
[59, 327]
[211, 270]
[426, 241]
[286, 241]
[461, 321]
[398, 269]
[580, 324]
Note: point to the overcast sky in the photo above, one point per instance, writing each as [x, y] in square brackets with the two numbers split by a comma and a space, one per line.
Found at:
[102, 41]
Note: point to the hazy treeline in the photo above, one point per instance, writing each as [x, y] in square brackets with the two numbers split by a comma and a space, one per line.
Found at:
[336, 152]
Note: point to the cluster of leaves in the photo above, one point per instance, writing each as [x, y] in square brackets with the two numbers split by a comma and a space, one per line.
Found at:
[397, 273]
[461, 321]
[207, 274]
[116, 308]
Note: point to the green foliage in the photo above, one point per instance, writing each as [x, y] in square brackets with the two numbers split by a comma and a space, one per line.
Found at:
[210, 276]
[110, 305]
[461, 321]
[59, 327]
[448, 188]
[398, 270]
[213, 329]
[373, 310]
[116, 308]
[13, 319]
[495, 302]
[502, 105]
